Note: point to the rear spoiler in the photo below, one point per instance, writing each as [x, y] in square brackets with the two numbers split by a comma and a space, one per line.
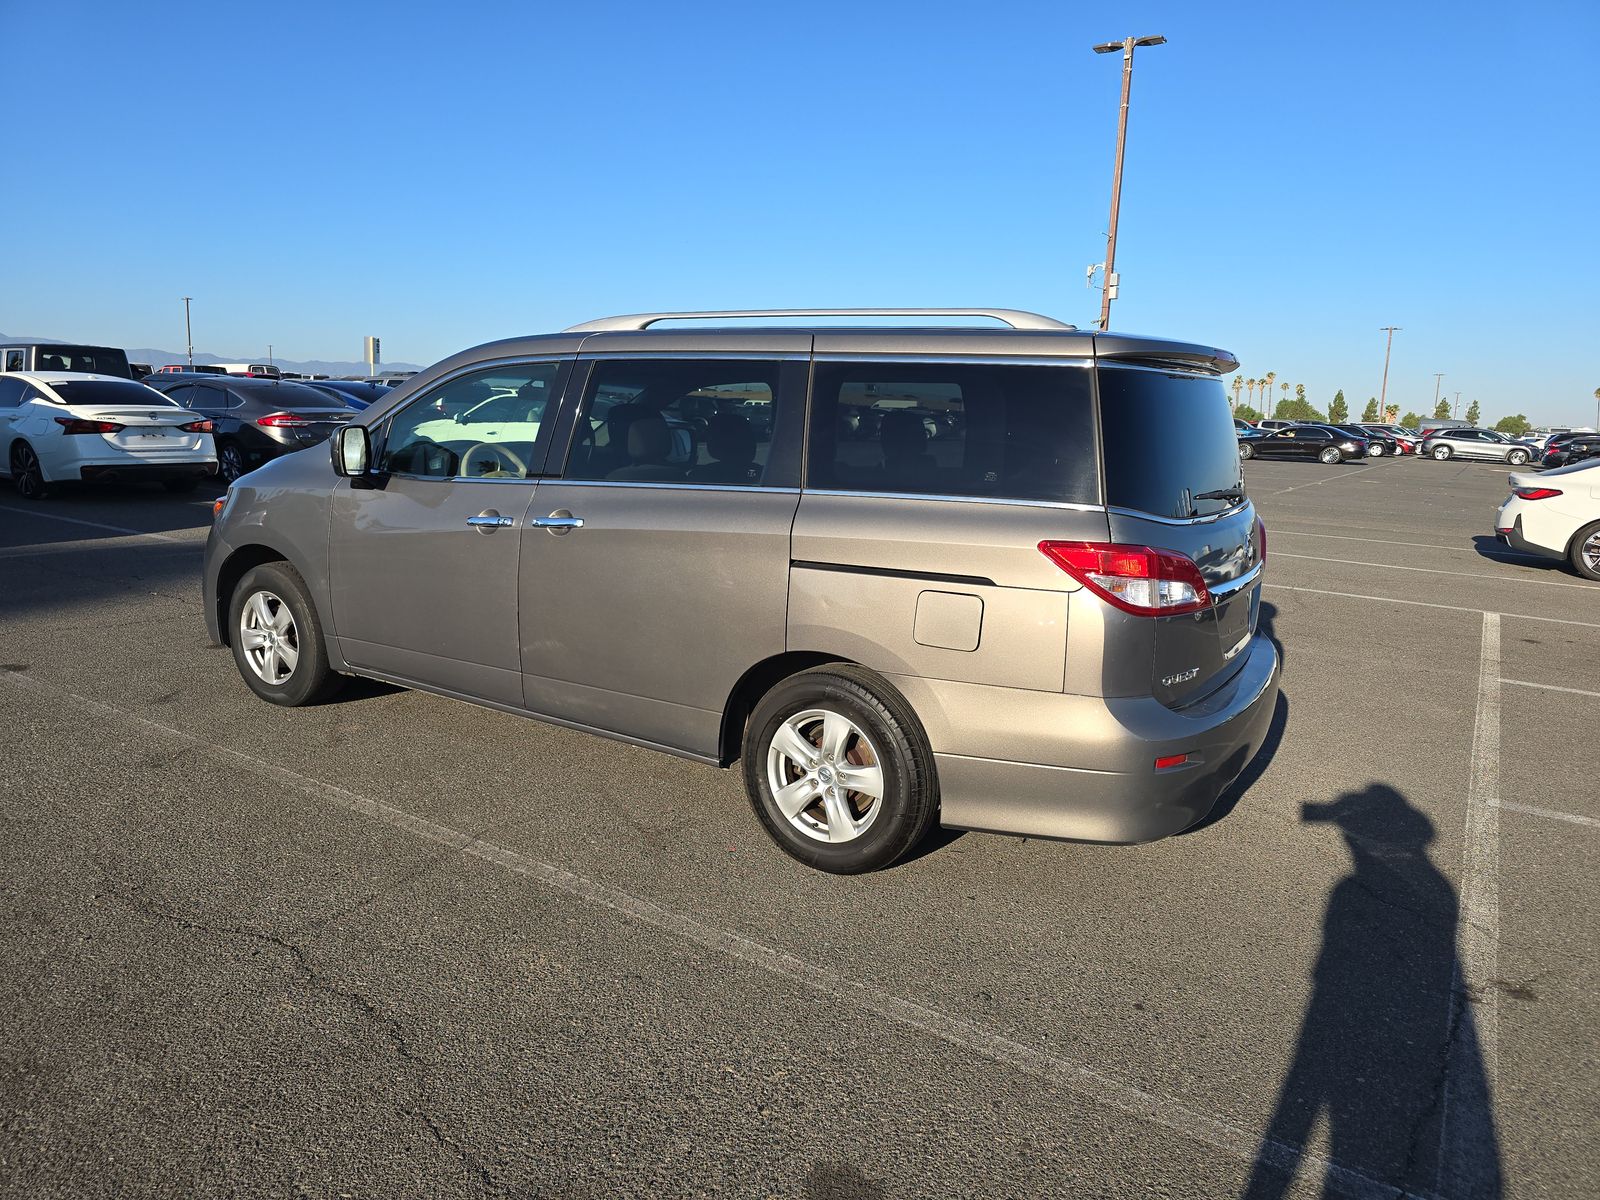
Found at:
[1158, 352]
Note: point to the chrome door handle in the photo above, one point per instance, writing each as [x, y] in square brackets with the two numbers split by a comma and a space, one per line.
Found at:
[558, 522]
[490, 521]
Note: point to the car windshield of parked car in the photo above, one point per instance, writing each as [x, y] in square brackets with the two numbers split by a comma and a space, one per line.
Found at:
[1167, 441]
[110, 391]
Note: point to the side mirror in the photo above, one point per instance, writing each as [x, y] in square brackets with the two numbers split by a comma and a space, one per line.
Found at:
[352, 451]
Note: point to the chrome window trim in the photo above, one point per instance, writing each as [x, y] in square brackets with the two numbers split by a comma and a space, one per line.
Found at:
[1206, 520]
[1234, 585]
[481, 364]
[1059, 504]
[715, 355]
[974, 360]
[663, 484]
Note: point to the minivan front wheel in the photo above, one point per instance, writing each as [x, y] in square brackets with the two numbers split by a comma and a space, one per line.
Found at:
[277, 639]
[839, 771]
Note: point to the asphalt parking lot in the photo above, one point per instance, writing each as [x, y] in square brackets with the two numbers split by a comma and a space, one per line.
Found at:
[399, 946]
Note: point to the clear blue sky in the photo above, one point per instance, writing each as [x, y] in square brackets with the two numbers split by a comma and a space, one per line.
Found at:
[440, 175]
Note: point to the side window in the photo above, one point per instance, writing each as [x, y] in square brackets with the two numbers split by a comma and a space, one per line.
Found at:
[10, 392]
[484, 425]
[16, 360]
[708, 421]
[1023, 432]
[185, 396]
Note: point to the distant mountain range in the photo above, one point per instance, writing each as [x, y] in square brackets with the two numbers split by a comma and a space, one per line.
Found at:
[160, 358]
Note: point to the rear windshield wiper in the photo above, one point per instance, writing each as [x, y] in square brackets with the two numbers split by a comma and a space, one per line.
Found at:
[1235, 494]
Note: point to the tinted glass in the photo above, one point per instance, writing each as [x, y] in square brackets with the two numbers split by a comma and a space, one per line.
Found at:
[16, 360]
[481, 426]
[1167, 439]
[708, 421]
[10, 392]
[1008, 432]
[108, 391]
[91, 360]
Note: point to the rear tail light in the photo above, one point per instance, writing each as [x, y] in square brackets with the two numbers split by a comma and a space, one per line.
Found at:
[1137, 579]
[75, 425]
[282, 420]
[1535, 493]
[1261, 539]
[197, 427]
[1171, 760]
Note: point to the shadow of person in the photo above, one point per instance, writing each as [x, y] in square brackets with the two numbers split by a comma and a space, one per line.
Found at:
[1388, 1052]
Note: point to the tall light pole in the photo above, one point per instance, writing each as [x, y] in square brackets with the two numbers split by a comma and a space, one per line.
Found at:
[188, 330]
[1383, 392]
[1126, 45]
[1456, 411]
[1437, 376]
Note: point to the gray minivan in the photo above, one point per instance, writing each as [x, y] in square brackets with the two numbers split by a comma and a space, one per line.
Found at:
[1002, 578]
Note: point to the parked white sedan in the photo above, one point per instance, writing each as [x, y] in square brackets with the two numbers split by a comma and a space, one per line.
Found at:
[57, 427]
[1555, 514]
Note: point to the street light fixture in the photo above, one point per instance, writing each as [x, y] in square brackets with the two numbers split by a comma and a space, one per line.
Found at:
[1109, 290]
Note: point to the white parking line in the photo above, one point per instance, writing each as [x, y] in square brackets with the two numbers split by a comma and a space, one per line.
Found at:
[1552, 813]
[50, 516]
[1478, 575]
[1550, 687]
[1074, 1076]
[1466, 1123]
[1278, 531]
[1320, 482]
[1284, 587]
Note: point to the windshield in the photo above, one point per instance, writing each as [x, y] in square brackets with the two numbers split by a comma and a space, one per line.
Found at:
[110, 391]
[1168, 441]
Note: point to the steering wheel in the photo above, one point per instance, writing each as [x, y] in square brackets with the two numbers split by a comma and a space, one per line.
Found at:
[505, 461]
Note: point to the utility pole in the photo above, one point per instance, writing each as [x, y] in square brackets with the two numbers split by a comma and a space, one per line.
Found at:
[1109, 290]
[188, 330]
[1383, 392]
[1456, 411]
[269, 354]
[1437, 376]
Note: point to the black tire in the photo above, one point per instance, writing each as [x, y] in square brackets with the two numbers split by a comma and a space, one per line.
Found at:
[180, 487]
[1330, 456]
[1518, 458]
[1441, 453]
[27, 476]
[230, 460]
[910, 800]
[1575, 551]
[1245, 452]
[311, 680]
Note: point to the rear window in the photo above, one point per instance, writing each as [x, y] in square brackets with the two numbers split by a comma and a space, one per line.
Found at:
[289, 395]
[987, 430]
[1168, 439]
[85, 360]
[106, 391]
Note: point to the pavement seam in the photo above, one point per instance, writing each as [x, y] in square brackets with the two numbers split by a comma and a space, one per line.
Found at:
[1075, 1077]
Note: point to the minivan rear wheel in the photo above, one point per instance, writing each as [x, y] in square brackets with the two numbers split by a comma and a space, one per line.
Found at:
[277, 639]
[839, 770]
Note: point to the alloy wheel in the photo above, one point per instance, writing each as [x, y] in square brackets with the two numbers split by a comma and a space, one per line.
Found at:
[1591, 551]
[27, 473]
[825, 775]
[230, 463]
[269, 638]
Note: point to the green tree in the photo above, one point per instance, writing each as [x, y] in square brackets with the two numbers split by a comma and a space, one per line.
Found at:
[1441, 411]
[1410, 420]
[1338, 411]
[1297, 410]
[1516, 426]
[1473, 413]
[1245, 413]
[1370, 412]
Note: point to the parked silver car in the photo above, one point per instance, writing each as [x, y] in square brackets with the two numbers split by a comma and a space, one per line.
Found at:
[742, 542]
[1443, 444]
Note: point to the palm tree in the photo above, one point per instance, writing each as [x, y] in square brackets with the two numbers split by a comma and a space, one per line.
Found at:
[1284, 388]
[1251, 384]
[1266, 387]
[1238, 386]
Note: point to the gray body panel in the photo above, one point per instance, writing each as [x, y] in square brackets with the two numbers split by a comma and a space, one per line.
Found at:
[1043, 704]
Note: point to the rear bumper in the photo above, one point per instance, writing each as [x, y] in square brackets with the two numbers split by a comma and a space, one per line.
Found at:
[1083, 768]
[152, 472]
[1512, 535]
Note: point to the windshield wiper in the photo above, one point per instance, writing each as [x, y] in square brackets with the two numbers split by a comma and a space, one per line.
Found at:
[1235, 494]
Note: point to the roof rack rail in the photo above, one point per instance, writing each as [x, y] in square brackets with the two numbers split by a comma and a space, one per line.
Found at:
[1015, 318]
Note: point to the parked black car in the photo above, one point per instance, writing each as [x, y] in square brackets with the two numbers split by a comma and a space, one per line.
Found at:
[1322, 442]
[1567, 448]
[356, 393]
[1378, 442]
[256, 419]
